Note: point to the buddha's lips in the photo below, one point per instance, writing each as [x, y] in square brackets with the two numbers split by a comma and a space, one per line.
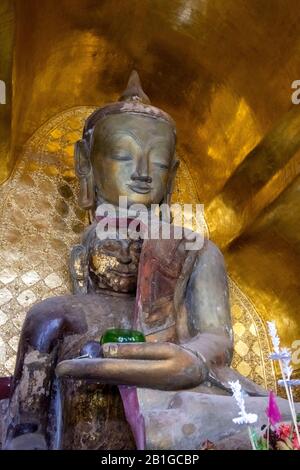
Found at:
[123, 274]
[140, 189]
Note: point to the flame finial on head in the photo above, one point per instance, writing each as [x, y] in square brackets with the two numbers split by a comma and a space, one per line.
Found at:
[134, 90]
[133, 100]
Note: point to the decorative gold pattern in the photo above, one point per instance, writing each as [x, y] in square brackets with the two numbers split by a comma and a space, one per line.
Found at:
[251, 351]
[40, 223]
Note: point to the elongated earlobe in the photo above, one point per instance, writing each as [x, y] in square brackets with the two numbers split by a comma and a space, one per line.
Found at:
[171, 180]
[84, 172]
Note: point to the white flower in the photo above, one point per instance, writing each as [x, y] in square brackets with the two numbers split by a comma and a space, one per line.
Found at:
[281, 356]
[286, 363]
[244, 417]
[247, 418]
[274, 336]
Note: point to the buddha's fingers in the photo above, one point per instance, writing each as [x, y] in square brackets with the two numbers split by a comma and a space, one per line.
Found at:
[146, 351]
[141, 373]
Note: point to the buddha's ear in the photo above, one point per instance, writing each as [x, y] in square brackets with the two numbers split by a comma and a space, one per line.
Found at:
[171, 180]
[84, 172]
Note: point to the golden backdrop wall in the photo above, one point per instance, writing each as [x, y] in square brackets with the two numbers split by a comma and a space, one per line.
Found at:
[223, 69]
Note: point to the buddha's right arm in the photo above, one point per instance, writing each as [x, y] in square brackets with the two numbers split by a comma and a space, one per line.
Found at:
[208, 310]
[79, 269]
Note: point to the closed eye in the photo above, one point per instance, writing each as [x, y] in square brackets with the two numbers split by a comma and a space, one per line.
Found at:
[111, 246]
[161, 165]
[121, 158]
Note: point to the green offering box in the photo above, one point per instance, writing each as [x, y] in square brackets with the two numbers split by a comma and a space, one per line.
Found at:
[119, 335]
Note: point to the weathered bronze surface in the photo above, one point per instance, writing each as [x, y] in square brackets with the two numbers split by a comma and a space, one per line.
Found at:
[47, 167]
[91, 415]
[181, 304]
[223, 70]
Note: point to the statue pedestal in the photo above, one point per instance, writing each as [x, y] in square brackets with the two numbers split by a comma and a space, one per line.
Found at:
[192, 418]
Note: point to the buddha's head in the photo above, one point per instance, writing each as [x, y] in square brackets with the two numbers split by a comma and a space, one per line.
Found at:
[128, 149]
[113, 262]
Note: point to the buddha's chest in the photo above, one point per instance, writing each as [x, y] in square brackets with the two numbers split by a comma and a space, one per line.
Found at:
[163, 273]
[156, 315]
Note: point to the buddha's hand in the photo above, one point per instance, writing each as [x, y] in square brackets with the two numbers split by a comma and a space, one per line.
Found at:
[164, 366]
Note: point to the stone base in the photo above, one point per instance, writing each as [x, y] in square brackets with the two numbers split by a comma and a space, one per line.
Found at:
[185, 420]
[193, 418]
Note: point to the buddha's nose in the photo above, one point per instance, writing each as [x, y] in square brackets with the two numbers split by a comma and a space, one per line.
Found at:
[144, 178]
[124, 255]
[141, 172]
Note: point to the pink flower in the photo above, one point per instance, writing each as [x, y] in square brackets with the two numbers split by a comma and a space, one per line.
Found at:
[296, 442]
[283, 431]
[272, 411]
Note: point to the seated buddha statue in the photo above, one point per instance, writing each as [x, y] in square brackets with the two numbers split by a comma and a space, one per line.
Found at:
[67, 389]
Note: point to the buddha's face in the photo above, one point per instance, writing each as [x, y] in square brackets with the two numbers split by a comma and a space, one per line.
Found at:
[132, 155]
[114, 264]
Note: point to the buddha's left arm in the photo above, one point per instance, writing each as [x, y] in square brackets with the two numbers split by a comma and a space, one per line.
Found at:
[207, 308]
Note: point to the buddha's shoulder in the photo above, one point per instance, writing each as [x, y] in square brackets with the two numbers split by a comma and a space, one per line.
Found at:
[210, 250]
